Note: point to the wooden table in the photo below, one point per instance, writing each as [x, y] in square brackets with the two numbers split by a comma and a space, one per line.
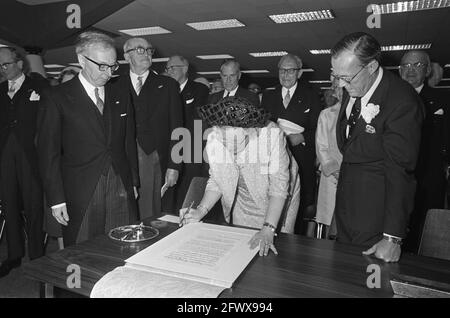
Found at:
[305, 267]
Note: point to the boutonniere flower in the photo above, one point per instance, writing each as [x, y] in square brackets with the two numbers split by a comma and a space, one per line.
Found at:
[369, 112]
[34, 96]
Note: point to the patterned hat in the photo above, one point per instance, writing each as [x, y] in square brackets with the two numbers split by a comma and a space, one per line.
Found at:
[234, 111]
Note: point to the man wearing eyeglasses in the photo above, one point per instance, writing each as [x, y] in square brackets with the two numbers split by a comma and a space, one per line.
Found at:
[300, 104]
[87, 146]
[230, 73]
[378, 133]
[159, 111]
[20, 184]
[433, 160]
[193, 95]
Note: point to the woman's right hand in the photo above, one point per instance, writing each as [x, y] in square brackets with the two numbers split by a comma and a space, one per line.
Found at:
[194, 216]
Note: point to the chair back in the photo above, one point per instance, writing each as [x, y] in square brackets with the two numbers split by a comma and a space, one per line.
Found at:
[435, 240]
[195, 192]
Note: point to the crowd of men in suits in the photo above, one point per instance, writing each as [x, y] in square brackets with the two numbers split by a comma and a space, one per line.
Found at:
[99, 150]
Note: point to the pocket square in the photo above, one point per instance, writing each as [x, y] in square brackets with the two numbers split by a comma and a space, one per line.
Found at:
[189, 101]
[123, 115]
[440, 111]
[307, 111]
[160, 86]
[34, 96]
[117, 102]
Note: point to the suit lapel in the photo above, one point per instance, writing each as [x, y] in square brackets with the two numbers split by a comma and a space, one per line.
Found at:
[108, 113]
[377, 98]
[23, 90]
[81, 100]
[342, 122]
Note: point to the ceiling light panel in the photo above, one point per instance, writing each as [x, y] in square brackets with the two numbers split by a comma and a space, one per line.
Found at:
[302, 16]
[53, 65]
[146, 31]
[268, 54]
[215, 57]
[409, 6]
[217, 24]
[323, 51]
[405, 47]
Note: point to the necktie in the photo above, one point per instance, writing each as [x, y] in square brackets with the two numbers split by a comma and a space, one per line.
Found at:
[11, 89]
[139, 85]
[99, 103]
[287, 99]
[354, 116]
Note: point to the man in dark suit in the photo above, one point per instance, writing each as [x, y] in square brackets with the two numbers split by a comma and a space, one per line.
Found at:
[378, 133]
[20, 184]
[433, 160]
[159, 111]
[87, 146]
[230, 72]
[193, 95]
[300, 104]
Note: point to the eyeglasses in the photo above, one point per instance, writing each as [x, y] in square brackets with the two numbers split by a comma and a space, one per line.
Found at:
[104, 67]
[169, 68]
[413, 65]
[346, 78]
[6, 65]
[141, 50]
[289, 71]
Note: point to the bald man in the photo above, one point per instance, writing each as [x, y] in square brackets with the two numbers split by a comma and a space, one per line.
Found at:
[433, 160]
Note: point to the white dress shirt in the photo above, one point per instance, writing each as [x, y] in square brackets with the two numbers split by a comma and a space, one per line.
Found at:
[365, 99]
[17, 84]
[419, 89]
[230, 93]
[291, 90]
[134, 78]
[183, 85]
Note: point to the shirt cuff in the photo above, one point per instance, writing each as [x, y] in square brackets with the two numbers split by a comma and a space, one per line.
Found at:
[393, 236]
[59, 205]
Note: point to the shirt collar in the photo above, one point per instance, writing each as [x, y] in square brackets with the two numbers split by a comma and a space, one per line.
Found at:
[134, 76]
[17, 82]
[291, 90]
[231, 93]
[366, 98]
[419, 88]
[90, 89]
[182, 86]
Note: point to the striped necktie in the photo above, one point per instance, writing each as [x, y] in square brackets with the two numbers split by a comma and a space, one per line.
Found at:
[12, 89]
[99, 103]
[139, 85]
[287, 99]
[356, 109]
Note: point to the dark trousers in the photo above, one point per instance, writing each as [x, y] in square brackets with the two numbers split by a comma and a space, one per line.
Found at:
[21, 191]
[110, 207]
[306, 169]
[150, 177]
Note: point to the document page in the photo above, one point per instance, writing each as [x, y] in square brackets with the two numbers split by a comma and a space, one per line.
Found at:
[199, 251]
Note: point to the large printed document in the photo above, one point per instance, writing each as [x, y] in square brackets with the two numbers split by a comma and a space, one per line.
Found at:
[198, 260]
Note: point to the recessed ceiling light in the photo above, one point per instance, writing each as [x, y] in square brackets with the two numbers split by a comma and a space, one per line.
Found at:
[447, 65]
[122, 62]
[325, 87]
[320, 82]
[270, 88]
[441, 87]
[217, 24]
[404, 47]
[445, 79]
[323, 51]
[255, 71]
[307, 70]
[53, 65]
[53, 73]
[215, 57]
[302, 16]
[409, 6]
[75, 64]
[145, 31]
[268, 54]
[160, 59]
[209, 73]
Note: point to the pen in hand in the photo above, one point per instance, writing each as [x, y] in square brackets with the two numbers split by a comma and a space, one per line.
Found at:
[183, 214]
